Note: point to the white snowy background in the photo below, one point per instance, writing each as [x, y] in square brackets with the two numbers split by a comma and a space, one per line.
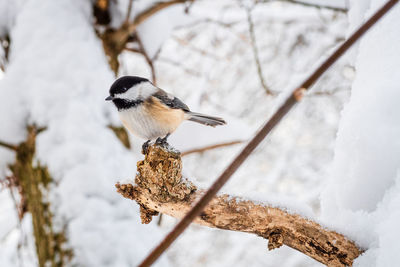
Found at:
[335, 158]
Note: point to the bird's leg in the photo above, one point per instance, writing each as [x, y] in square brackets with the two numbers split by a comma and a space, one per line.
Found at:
[145, 147]
[162, 141]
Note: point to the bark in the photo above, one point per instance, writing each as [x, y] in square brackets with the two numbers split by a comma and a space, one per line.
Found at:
[161, 188]
[33, 180]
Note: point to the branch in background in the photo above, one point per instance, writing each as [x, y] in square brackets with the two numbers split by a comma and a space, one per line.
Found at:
[129, 10]
[33, 180]
[319, 6]
[211, 147]
[115, 40]
[161, 188]
[189, 4]
[121, 134]
[158, 6]
[195, 49]
[8, 145]
[5, 44]
[11, 182]
[101, 12]
[179, 65]
[327, 93]
[255, 52]
[134, 50]
[148, 59]
[224, 25]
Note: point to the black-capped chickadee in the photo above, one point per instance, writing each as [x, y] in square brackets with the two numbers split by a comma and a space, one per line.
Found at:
[151, 113]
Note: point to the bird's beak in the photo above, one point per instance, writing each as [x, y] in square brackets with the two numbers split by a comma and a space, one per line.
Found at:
[109, 98]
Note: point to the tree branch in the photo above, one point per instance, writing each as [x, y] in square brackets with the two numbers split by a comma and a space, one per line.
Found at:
[255, 52]
[115, 40]
[8, 145]
[161, 188]
[148, 59]
[129, 10]
[206, 148]
[101, 12]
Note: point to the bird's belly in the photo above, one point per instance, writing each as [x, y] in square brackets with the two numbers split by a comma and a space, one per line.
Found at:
[140, 123]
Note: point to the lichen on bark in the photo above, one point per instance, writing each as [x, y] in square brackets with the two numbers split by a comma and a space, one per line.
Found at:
[34, 180]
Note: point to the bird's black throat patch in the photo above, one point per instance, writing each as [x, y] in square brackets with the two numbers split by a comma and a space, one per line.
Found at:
[122, 104]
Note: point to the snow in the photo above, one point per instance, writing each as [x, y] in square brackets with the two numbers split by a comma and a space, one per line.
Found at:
[61, 83]
[208, 63]
[361, 195]
[150, 33]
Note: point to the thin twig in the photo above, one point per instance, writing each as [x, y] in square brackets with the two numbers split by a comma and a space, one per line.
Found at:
[134, 50]
[8, 145]
[5, 44]
[188, 6]
[195, 49]
[115, 40]
[129, 10]
[11, 182]
[148, 59]
[255, 52]
[319, 6]
[211, 147]
[293, 99]
[160, 218]
[326, 93]
[158, 6]
[179, 65]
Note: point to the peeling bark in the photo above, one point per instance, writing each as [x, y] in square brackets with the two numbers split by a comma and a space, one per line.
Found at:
[161, 188]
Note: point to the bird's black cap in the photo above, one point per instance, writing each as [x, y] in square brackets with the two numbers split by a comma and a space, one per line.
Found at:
[122, 84]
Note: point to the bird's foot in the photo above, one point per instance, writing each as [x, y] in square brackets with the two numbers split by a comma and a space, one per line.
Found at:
[162, 141]
[145, 147]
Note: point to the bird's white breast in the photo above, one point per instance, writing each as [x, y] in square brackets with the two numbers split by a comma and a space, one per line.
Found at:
[139, 123]
[150, 121]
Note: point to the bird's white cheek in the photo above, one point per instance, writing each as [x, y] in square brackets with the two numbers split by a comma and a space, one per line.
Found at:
[141, 90]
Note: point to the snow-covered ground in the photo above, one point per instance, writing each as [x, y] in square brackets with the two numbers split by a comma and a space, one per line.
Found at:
[207, 60]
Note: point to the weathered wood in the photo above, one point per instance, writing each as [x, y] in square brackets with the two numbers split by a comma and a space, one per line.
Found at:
[161, 188]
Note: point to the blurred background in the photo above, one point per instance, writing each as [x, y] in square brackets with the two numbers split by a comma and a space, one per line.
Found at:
[233, 59]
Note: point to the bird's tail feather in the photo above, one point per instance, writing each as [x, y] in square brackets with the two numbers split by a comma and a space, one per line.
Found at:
[205, 119]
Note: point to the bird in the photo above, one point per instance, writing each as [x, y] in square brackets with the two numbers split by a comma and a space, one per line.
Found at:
[149, 112]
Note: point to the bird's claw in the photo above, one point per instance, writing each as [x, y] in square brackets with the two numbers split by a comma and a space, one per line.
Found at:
[162, 141]
[145, 147]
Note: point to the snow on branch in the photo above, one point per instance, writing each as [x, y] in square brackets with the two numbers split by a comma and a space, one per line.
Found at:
[160, 188]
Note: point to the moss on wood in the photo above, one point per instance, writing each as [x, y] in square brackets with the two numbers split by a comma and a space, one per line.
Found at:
[34, 180]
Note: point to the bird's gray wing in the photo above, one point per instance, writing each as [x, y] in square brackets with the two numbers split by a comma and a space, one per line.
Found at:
[170, 100]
